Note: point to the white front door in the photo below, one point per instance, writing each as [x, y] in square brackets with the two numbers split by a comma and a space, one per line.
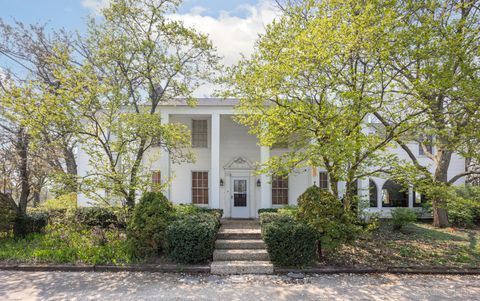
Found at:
[240, 198]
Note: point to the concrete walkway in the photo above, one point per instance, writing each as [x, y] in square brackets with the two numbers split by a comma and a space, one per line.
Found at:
[156, 286]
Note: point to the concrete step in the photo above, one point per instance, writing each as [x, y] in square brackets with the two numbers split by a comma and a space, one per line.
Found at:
[227, 233]
[240, 224]
[241, 267]
[241, 254]
[240, 244]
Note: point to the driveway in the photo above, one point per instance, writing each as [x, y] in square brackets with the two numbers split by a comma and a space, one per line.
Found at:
[152, 286]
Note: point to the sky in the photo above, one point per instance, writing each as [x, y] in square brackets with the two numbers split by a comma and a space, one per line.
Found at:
[233, 25]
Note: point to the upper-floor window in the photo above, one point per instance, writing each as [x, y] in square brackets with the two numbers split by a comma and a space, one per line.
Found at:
[199, 133]
[428, 143]
[323, 180]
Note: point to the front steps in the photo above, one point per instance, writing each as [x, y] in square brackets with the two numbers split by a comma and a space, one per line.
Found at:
[239, 249]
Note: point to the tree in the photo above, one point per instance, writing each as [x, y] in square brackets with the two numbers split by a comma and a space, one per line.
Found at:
[436, 56]
[316, 76]
[26, 51]
[134, 61]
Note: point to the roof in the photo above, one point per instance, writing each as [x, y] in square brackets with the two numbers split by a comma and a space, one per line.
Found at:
[203, 102]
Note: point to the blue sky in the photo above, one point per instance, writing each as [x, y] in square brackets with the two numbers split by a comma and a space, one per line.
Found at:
[71, 13]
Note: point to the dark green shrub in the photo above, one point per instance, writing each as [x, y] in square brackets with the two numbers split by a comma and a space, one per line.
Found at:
[262, 210]
[191, 239]
[402, 217]
[325, 213]
[290, 242]
[268, 217]
[7, 216]
[94, 217]
[183, 210]
[147, 225]
[30, 223]
[463, 206]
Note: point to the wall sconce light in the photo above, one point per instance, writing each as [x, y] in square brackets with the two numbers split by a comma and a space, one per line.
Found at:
[221, 182]
[259, 183]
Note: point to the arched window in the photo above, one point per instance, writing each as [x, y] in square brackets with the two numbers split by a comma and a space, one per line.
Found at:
[373, 191]
[394, 195]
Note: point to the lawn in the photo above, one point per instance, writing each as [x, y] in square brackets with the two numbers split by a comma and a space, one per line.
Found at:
[417, 244]
[64, 245]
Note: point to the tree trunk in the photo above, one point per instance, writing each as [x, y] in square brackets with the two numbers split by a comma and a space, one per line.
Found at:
[440, 215]
[22, 152]
[72, 168]
[130, 199]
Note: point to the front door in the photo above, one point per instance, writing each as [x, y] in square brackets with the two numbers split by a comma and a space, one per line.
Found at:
[240, 201]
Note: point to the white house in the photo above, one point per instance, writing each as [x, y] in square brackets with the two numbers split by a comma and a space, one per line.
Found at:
[223, 175]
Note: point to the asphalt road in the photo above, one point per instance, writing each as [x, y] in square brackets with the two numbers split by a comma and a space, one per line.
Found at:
[152, 286]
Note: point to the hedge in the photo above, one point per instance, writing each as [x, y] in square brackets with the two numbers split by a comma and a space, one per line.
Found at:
[289, 242]
[191, 239]
[147, 225]
[29, 223]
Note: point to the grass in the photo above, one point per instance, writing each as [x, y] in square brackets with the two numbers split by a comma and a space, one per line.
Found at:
[64, 245]
[417, 244]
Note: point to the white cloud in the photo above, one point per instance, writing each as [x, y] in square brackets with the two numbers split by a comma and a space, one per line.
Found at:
[232, 35]
[95, 6]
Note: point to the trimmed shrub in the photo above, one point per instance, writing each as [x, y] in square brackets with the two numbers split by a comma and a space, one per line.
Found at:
[402, 217]
[325, 213]
[290, 242]
[149, 220]
[268, 217]
[94, 217]
[30, 223]
[183, 210]
[263, 210]
[191, 239]
[7, 216]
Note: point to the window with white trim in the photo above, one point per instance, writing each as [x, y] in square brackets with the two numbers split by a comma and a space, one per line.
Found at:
[323, 180]
[280, 191]
[199, 133]
[200, 187]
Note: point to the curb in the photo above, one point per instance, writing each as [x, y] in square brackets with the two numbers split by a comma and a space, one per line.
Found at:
[388, 270]
[168, 268]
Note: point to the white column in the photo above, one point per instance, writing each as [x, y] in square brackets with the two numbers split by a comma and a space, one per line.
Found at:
[165, 159]
[215, 162]
[266, 189]
[410, 197]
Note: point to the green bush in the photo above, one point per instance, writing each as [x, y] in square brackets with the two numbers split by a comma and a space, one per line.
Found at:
[268, 217]
[191, 239]
[463, 206]
[30, 223]
[95, 217]
[65, 201]
[289, 242]
[402, 217]
[183, 210]
[263, 210]
[7, 216]
[147, 225]
[325, 213]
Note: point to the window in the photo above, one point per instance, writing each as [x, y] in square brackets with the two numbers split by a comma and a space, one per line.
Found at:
[199, 133]
[373, 193]
[394, 195]
[323, 180]
[419, 199]
[280, 191]
[200, 187]
[156, 180]
[427, 141]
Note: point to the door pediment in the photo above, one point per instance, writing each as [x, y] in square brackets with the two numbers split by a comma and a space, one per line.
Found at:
[239, 163]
